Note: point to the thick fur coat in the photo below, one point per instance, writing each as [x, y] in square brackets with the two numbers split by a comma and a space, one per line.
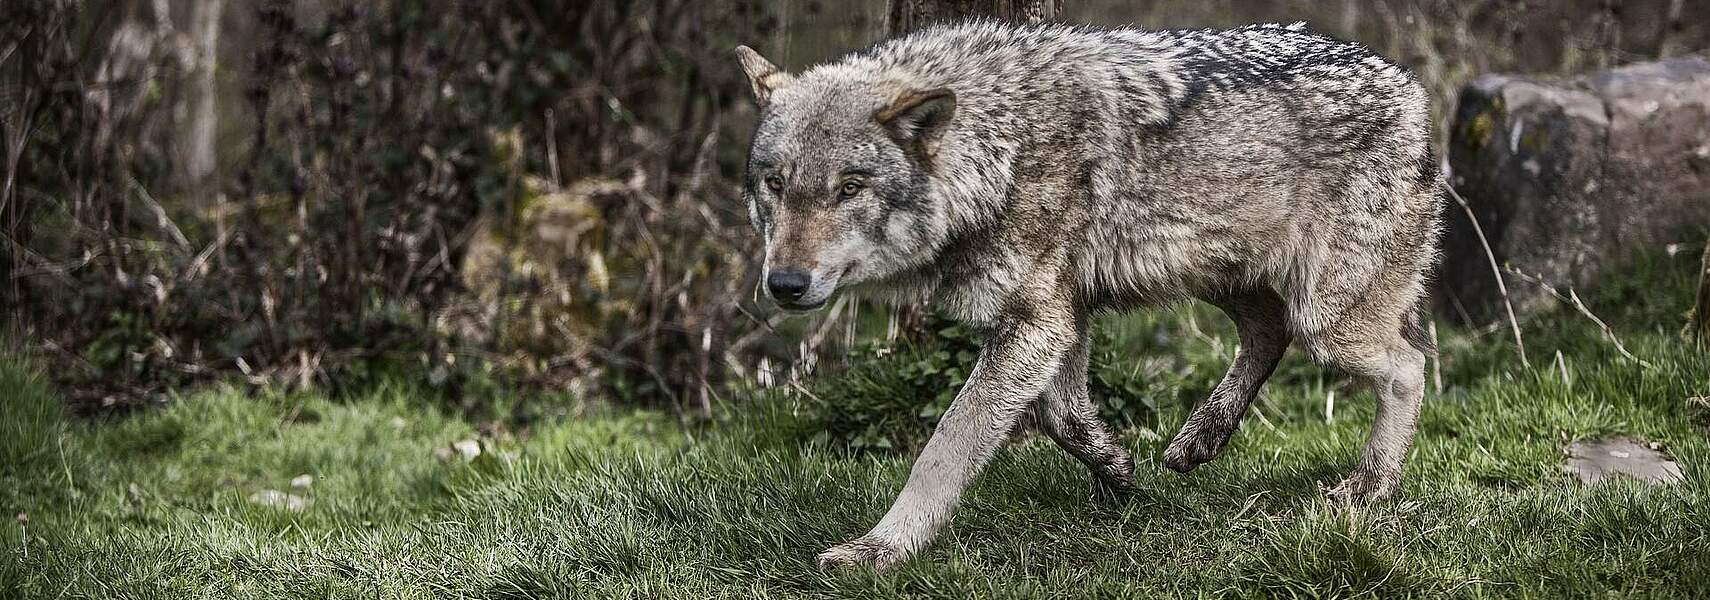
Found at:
[1026, 177]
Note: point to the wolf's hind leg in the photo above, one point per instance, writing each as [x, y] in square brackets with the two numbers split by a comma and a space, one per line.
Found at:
[1262, 322]
[1394, 364]
[1066, 414]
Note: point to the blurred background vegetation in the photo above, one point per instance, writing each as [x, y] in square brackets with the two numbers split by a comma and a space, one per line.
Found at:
[486, 195]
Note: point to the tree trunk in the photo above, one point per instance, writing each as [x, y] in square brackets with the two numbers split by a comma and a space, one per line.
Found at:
[1698, 324]
[908, 15]
[204, 115]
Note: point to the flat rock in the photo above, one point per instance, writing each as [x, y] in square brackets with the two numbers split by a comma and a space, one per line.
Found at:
[1593, 461]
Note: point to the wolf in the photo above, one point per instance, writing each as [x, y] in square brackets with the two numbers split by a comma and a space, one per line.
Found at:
[1026, 178]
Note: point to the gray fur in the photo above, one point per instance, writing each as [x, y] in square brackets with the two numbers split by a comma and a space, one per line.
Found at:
[1025, 177]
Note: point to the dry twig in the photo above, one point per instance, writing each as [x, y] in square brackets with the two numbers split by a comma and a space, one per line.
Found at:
[1698, 325]
[1572, 299]
[1495, 270]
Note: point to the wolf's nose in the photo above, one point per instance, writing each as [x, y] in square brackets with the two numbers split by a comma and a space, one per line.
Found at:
[787, 285]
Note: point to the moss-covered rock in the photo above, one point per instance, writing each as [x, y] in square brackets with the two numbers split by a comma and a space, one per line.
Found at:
[1566, 176]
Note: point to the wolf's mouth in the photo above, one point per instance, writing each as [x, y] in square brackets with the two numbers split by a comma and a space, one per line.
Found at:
[808, 307]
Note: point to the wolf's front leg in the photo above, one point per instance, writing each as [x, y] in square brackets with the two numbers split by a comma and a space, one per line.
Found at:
[1014, 368]
[1067, 414]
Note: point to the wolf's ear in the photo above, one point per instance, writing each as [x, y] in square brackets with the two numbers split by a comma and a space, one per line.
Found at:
[918, 118]
[764, 76]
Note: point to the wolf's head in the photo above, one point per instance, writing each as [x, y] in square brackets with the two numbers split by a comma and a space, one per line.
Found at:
[838, 181]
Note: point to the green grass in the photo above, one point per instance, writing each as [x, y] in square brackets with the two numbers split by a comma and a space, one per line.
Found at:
[623, 504]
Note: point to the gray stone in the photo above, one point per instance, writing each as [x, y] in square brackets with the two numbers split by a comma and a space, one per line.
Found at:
[1593, 461]
[1569, 177]
[279, 500]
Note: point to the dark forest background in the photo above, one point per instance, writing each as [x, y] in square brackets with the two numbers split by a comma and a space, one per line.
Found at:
[483, 195]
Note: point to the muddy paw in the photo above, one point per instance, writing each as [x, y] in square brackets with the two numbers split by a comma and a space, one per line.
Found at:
[1114, 480]
[1191, 449]
[1363, 488]
[863, 551]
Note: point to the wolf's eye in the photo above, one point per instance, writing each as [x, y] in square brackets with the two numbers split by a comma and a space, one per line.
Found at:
[775, 183]
[849, 189]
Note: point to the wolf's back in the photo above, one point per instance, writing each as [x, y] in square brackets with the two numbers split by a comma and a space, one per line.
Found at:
[1154, 74]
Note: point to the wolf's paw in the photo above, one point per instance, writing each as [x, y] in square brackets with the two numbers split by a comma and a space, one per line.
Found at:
[1192, 448]
[1114, 480]
[864, 551]
[1364, 487]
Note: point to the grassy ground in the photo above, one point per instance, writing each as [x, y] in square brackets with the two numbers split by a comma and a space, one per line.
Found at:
[633, 505]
